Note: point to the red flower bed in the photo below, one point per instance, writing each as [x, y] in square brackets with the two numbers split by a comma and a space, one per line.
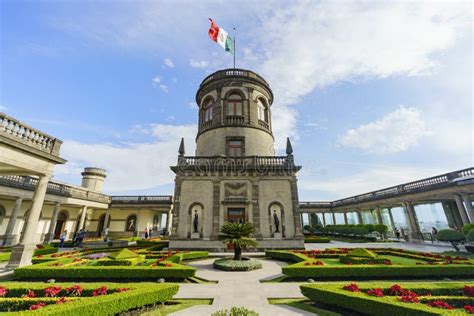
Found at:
[52, 291]
[61, 300]
[75, 290]
[352, 287]
[36, 306]
[469, 309]
[122, 289]
[29, 294]
[376, 292]
[409, 297]
[440, 304]
[100, 291]
[468, 290]
[3, 291]
[395, 290]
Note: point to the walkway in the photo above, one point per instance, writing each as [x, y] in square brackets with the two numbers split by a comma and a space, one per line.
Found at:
[240, 289]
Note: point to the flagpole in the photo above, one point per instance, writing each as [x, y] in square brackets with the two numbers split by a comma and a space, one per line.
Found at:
[234, 47]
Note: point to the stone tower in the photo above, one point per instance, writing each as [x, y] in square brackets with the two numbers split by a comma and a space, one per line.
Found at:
[93, 178]
[235, 175]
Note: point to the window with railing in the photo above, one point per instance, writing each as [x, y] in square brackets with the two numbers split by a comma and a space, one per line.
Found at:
[208, 112]
[262, 110]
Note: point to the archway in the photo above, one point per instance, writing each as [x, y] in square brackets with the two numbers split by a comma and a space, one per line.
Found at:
[60, 224]
[100, 224]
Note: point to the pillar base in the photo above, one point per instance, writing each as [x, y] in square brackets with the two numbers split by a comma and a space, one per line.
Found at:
[21, 256]
[48, 238]
[8, 240]
[415, 238]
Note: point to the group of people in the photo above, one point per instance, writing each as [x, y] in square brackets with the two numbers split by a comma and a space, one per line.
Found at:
[77, 241]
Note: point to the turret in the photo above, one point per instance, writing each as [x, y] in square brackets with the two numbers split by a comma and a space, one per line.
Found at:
[234, 115]
[93, 178]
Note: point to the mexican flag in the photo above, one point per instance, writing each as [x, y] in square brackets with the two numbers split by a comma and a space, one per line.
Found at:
[218, 35]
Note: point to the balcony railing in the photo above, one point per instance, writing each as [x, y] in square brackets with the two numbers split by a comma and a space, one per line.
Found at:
[22, 133]
[234, 73]
[234, 119]
[142, 199]
[423, 185]
[261, 164]
[54, 188]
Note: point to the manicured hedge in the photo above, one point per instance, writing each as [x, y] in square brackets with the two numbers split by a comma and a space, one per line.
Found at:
[389, 306]
[286, 255]
[46, 271]
[195, 255]
[228, 264]
[139, 294]
[309, 240]
[299, 270]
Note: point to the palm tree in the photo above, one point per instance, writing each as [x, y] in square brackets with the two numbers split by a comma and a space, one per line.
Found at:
[239, 236]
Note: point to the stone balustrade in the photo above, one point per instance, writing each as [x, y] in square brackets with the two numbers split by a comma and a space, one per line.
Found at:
[234, 73]
[142, 199]
[54, 187]
[22, 133]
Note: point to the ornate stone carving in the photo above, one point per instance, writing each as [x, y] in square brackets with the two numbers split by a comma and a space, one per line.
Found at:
[235, 190]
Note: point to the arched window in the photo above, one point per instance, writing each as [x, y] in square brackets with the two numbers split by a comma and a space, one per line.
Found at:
[234, 105]
[262, 110]
[207, 111]
[131, 224]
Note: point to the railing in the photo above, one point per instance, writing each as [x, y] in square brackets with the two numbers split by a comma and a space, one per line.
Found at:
[423, 185]
[54, 187]
[233, 73]
[20, 132]
[238, 164]
[263, 124]
[234, 119]
[142, 199]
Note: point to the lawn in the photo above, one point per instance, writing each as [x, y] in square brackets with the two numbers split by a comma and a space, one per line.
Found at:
[374, 263]
[175, 305]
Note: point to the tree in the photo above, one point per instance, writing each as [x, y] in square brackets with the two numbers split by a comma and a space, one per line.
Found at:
[239, 236]
[452, 236]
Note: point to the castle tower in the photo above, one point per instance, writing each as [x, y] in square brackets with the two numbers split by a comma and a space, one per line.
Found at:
[93, 178]
[235, 175]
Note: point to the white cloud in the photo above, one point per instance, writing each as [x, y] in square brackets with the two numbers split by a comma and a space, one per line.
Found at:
[164, 88]
[131, 166]
[198, 64]
[3, 108]
[156, 80]
[395, 132]
[168, 63]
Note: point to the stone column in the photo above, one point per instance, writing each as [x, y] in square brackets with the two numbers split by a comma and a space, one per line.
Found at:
[461, 209]
[256, 208]
[324, 219]
[23, 252]
[106, 221]
[334, 218]
[414, 230]
[139, 220]
[82, 220]
[52, 225]
[169, 216]
[8, 237]
[378, 215]
[345, 217]
[392, 222]
[469, 209]
[359, 217]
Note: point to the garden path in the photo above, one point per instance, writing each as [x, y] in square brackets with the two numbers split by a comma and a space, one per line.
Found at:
[240, 289]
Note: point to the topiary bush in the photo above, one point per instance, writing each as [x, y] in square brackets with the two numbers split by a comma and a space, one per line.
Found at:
[467, 228]
[235, 311]
[452, 236]
[227, 264]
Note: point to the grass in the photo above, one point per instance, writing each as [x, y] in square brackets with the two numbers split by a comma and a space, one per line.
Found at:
[5, 256]
[303, 304]
[176, 305]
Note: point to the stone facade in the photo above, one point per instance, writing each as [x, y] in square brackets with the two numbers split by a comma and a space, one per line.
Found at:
[235, 175]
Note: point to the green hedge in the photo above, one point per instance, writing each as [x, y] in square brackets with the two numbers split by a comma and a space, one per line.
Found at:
[228, 264]
[359, 260]
[286, 255]
[195, 255]
[368, 305]
[139, 294]
[46, 271]
[310, 240]
[299, 270]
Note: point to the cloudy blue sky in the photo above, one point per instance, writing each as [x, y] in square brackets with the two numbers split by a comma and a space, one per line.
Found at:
[372, 94]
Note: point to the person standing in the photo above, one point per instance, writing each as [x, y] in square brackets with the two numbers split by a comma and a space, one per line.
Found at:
[106, 235]
[397, 233]
[62, 238]
[146, 233]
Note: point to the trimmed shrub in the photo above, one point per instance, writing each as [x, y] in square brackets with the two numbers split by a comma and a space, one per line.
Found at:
[235, 311]
[227, 264]
[286, 255]
[361, 252]
[452, 236]
[361, 260]
[467, 228]
[195, 255]
[123, 254]
[137, 295]
[310, 240]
